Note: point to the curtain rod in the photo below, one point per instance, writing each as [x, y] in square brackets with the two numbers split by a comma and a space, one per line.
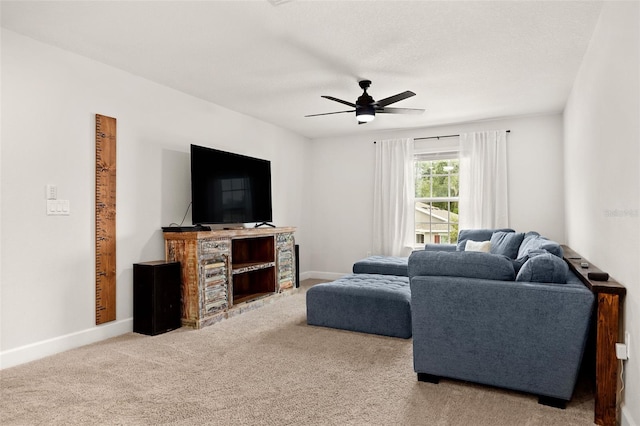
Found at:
[438, 137]
[444, 136]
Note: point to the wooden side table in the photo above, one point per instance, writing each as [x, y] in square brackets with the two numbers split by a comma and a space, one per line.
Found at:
[609, 296]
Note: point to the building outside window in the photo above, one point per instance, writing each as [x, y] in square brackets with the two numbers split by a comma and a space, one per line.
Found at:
[436, 197]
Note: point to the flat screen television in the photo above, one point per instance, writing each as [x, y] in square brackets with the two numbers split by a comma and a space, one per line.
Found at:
[229, 188]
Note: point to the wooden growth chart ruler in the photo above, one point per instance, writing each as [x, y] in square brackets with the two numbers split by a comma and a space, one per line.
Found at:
[105, 219]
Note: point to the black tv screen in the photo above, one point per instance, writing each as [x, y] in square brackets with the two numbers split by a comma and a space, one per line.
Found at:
[229, 188]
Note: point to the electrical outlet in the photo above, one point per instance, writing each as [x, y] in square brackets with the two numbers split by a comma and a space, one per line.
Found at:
[621, 351]
[368, 254]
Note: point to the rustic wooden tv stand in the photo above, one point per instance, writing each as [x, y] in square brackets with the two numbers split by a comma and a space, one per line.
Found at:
[227, 272]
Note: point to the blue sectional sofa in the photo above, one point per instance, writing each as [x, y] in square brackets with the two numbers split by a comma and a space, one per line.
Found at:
[515, 317]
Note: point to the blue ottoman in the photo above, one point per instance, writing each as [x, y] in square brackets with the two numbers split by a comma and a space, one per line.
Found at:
[383, 265]
[368, 303]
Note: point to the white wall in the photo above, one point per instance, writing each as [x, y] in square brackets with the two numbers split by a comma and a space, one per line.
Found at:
[342, 186]
[602, 138]
[49, 103]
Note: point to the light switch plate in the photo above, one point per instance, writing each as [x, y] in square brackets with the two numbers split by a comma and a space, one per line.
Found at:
[58, 208]
[52, 192]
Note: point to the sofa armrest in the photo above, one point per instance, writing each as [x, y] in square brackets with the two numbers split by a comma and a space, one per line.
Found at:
[440, 247]
[523, 336]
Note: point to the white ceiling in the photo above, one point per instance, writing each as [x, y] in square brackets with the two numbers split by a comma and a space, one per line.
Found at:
[273, 59]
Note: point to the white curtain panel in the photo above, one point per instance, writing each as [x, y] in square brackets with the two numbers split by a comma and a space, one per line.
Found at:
[393, 199]
[483, 180]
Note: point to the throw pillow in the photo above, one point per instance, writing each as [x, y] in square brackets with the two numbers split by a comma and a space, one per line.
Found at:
[543, 267]
[476, 235]
[527, 243]
[484, 246]
[506, 243]
[534, 241]
[517, 263]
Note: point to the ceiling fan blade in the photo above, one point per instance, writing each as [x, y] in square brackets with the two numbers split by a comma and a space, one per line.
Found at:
[395, 98]
[328, 113]
[331, 98]
[399, 111]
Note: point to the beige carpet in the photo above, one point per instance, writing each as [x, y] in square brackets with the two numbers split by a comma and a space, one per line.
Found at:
[264, 367]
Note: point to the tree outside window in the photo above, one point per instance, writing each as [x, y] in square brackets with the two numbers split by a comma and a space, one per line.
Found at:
[436, 200]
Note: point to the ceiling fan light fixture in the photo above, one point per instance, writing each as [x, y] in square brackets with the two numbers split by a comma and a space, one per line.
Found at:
[365, 106]
[365, 114]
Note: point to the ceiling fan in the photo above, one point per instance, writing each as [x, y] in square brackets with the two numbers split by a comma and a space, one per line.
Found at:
[366, 108]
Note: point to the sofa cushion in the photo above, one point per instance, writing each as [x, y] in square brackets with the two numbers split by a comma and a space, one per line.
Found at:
[506, 243]
[484, 246]
[382, 265]
[517, 263]
[368, 303]
[543, 267]
[440, 247]
[534, 241]
[470, 264]
[476, 235]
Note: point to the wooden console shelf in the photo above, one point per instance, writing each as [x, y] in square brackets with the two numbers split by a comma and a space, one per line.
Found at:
[229, 271]
[609, 295]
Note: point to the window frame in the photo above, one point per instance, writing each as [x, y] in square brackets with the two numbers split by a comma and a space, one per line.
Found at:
[435, 151]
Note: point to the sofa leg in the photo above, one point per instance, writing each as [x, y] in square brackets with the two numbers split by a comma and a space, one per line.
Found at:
[552, 402]
[429, 378]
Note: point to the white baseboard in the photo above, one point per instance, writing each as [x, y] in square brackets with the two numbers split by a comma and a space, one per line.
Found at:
[37, 350]
[42, 349]
[625, 417]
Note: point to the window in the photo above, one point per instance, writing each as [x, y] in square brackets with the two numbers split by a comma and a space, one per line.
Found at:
[436, 197]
